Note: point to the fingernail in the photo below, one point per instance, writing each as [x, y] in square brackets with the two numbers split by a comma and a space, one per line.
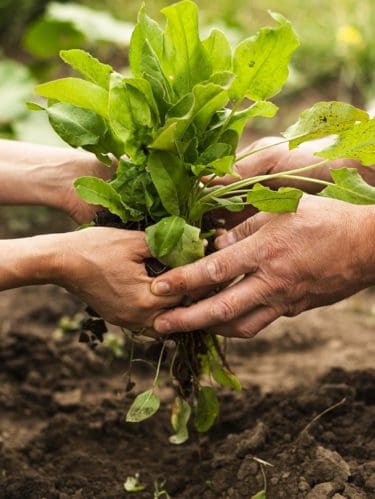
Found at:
[226, 240]
[160, 288]
[162, 326]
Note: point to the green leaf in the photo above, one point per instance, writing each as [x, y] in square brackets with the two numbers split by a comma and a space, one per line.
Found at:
[261, 62]
[222, 376]
[128, 106]
[145, 88]
[180, 416]
[224, 79]
[161, 174]
[206, 410]
[146, 58]
[171, 180]
[96, 191]
[260, 108]
[223, 166]
[78, 92]
[147, 31]
[163, 237]
[358, 142]
[322, 119]
[214, 152]
[283, 200]
[108, 146]
[209, 97]
[185, 57]
[349, 187]
[130, 117]
[166, 138]
[219, 51]
[76, 126]
[144, 406]
[260, 495]
[188, 249]
[232, 138]
[88, 66]
[132, 183]
[178, 119]
[132, 484]
[234, 203]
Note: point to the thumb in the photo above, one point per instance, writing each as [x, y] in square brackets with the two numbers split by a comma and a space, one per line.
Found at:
[243, 230]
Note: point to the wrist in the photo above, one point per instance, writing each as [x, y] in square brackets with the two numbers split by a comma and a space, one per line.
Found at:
[365, 244]
[30, 261]
[40, 175]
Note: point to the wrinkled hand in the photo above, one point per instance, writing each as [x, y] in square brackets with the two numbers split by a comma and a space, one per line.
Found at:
[105, 268]
[280, 159]
[290, 263]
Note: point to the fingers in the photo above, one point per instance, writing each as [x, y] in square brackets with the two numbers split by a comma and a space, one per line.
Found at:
[250, 324]
[249, 227]
[217, 268]
[224, 307]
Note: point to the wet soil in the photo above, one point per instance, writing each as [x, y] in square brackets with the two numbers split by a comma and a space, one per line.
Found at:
[62, 407]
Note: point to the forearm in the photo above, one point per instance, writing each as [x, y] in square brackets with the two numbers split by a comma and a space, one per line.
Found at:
[36, 174]
[365, 248]
[27, 261]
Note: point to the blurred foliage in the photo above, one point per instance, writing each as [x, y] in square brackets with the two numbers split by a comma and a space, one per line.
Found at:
[337, 53]
[337, 39]
[70, 26]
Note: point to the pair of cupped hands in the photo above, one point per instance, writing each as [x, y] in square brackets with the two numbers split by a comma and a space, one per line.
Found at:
[266, 265]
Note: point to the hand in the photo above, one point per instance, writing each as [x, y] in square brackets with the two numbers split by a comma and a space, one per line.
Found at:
[42, 175]
[70, 202]
[290, 262]
[105, 268]
[278, 159]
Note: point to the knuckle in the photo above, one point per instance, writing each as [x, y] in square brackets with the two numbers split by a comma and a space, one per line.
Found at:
[296, 308]
[217, 270]
[139, 303]
[224, 310]
[178, 281]
[245, 331]
[246, 228]
[179, 325]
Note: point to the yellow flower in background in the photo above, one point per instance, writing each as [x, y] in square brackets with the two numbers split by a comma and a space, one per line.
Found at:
[349, 36]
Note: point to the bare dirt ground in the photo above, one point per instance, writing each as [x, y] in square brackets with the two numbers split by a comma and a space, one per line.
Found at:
[62, 406]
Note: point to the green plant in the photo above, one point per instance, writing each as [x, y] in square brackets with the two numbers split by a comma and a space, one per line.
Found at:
[178, 119]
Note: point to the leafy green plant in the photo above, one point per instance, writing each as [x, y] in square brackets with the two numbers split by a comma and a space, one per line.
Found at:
[177, 119]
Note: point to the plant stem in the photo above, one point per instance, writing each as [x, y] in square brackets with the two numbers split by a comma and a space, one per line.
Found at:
[228, 189]
[156, 378]
[323, 413]
[268, 146]
[309, 179]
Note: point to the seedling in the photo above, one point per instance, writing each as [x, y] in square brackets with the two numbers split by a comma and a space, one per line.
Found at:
[132, 484]
[178, 118]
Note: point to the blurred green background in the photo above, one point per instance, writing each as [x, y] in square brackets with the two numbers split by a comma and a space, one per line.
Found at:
[336, 59]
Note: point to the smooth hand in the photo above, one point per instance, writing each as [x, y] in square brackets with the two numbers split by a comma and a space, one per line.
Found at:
[106, 268]
[289, 263]
[33, 174]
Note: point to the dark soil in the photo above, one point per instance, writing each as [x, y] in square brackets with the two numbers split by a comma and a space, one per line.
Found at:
[63, 435]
